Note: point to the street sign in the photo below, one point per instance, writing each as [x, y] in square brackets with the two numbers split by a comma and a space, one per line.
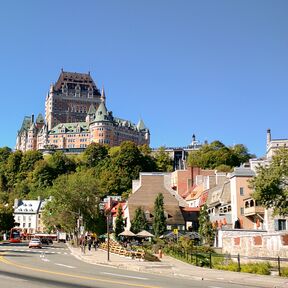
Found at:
[175, 231]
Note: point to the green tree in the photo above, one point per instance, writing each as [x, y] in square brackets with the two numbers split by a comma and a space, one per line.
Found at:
[139, 221]
[119, 221]
[4, 154]
[217, 156]
[271, 184]
[42, 175]
[159, 220]
[116, 172]
[164, 162]
[61, 163]
[12, 167]
[94, 154]
[74, 195]
[6, 218]
[205, 226]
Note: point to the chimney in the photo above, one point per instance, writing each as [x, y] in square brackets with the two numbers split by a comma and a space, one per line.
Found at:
[16, 203]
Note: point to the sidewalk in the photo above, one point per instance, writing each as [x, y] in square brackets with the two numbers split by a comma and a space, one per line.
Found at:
[175, 268]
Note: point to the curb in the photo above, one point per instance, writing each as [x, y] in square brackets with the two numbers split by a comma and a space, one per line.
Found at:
[150, 269]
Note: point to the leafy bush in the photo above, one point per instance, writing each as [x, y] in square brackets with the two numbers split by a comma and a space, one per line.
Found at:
[284, 272]
[256, 268]
[229, 267]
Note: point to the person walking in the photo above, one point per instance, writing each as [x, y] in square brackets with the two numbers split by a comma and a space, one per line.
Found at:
[89, 243]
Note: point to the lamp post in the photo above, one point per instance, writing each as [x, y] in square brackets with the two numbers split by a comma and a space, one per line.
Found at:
[108, 235]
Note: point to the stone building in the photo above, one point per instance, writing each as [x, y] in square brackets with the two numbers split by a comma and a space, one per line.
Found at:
[76, 116]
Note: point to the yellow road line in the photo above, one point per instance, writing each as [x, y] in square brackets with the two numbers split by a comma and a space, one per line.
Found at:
[8, 262]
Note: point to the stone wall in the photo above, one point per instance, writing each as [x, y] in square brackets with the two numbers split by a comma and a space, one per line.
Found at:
[256, 243]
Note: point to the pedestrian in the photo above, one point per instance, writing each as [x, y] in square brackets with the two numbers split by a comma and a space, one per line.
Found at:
[89, 243]
[95, 243]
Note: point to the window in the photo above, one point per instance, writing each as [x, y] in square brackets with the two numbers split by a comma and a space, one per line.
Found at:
[242, 210]
[280, 224]
[242, 191]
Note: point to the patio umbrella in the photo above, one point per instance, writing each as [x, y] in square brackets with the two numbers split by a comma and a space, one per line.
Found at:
[144, 234]
[127, 233]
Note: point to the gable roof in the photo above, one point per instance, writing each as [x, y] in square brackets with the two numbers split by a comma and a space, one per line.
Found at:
[152, 184]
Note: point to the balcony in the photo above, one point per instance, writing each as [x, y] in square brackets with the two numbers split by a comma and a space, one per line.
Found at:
[254, 210]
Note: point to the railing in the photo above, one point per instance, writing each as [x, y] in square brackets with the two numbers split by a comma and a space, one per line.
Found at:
[212, 259]
[253, 210]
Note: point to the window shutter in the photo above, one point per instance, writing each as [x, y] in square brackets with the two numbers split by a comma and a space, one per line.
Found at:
[276, 225]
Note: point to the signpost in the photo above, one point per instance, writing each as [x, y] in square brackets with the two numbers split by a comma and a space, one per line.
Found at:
[175, 231]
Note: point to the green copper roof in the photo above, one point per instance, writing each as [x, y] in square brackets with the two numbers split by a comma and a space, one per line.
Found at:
[141, 125]
[92, 110]
[69, 128]
[40, 118]
[26, 124]
[101, 113]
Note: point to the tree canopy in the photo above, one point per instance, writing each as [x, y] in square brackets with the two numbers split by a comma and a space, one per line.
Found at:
[271, 183]
[96, 173]
[218, 156]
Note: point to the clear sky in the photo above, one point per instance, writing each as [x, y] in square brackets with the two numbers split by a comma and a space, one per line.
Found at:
[216, 68]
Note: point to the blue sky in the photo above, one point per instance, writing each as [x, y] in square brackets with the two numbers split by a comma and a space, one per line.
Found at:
[214, 68]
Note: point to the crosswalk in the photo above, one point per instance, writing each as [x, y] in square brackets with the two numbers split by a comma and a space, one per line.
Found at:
[50, 250]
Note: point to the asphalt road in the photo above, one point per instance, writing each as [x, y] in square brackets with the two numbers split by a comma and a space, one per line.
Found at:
[54, 266]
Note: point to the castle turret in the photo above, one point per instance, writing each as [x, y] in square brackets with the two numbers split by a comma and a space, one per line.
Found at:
[103, 97]
[268, 137]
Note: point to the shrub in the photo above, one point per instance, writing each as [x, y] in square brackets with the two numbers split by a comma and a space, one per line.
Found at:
[284, 272]
[256, 268]
[229, 267]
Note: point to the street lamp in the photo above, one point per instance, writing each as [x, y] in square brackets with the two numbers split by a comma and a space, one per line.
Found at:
[108, 235]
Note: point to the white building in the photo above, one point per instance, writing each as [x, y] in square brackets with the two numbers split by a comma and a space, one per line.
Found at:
[27, 213]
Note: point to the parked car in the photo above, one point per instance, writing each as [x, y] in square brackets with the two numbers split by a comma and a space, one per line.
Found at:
[35, 243]
[45, 241]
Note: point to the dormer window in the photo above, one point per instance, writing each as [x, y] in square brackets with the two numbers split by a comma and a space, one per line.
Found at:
[65, 89]
[90, 92]
[77, 90]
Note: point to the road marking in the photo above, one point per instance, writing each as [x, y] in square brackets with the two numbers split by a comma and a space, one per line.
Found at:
[8, 262]
[214, 287]
[126, 276]
[59, 264]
